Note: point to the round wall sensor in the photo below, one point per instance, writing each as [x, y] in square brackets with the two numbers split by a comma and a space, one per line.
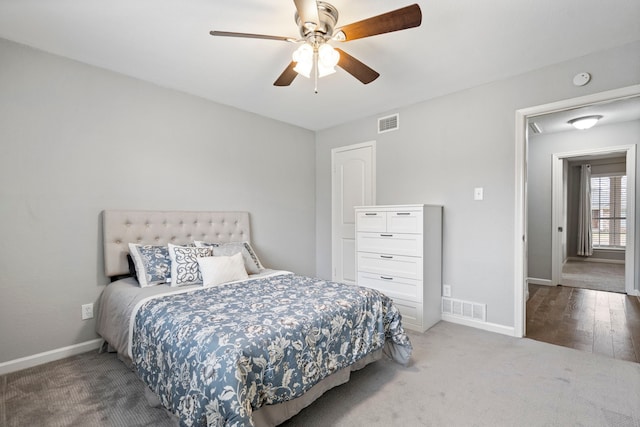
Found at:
[581, 79]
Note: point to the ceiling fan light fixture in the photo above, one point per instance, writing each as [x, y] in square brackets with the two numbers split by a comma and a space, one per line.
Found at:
[303, 56]
[303, 69]
[328, 56]
[325, 71]
[585, 122]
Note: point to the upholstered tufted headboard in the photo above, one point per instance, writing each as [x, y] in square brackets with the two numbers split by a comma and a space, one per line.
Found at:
[122, 227]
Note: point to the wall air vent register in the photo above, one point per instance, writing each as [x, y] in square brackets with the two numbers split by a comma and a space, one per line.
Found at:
[465, 309]
[388, 123]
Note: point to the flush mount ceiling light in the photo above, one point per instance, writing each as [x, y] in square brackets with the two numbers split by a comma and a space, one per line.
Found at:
[585, 122]
[316, 21]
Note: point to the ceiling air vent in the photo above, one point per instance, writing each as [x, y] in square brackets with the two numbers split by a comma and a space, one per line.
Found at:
[388, 123]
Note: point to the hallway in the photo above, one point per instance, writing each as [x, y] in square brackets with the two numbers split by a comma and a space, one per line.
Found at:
[599, 276]
[599, 322]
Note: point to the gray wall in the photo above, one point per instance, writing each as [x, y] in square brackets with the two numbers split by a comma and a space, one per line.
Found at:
[447, 146]
[75, 140]
[541, 150]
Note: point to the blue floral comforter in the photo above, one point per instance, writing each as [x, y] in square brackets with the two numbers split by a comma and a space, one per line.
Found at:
[214, 354]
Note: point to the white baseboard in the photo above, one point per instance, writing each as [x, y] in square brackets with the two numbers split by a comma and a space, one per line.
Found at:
[590, 259]
[491, 327]
[535, 281]
[48, 356]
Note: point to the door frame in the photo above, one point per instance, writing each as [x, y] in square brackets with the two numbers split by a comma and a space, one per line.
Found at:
[558, 215]
[520, 222]
[334, 236]
[558, 196]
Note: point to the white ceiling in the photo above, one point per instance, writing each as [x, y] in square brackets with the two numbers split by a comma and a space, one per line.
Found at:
[622, 110]
[461, 44]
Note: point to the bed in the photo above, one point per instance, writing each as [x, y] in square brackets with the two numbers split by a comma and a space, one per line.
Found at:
[250, 351]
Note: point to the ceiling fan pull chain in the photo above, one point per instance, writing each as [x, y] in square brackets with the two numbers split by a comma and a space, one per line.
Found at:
[315, 74]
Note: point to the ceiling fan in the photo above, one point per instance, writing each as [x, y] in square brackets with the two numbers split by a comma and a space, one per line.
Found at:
[316, 21]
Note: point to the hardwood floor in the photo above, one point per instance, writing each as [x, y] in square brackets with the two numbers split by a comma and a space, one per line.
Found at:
[600, 322]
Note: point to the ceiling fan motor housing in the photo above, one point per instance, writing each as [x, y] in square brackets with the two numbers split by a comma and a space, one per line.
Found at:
[328, 15]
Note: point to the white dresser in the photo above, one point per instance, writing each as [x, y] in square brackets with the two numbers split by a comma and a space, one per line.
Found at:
[399, 252]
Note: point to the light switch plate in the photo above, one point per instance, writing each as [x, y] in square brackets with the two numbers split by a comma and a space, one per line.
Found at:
[478, 193]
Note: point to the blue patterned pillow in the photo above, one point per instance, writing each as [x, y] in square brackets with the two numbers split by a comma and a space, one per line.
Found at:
[152, 263]
[184, 264]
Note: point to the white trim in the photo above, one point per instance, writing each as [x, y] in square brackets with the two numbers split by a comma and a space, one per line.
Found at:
[557, 217]
[630, 258]
[610, 249]
[486, 326]
[520, 223]
[49, 356]
[592, 259]
[536, 281]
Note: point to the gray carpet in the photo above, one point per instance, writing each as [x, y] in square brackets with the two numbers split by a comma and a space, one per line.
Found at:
[90, 389]
[599, 276]
[458, 376]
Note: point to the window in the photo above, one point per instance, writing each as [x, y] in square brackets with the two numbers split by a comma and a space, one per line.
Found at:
[609, 211]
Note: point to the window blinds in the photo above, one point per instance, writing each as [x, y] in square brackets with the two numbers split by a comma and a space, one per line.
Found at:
[609, 211]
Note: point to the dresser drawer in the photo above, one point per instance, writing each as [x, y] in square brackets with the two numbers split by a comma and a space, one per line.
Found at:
[371, 221]
[390, 265]
[390, 243]
[394, 287]
[404, 222]
[412, 314]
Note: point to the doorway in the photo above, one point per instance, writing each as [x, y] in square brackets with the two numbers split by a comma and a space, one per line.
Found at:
[610, 210]
[596, 321]
[521, 231]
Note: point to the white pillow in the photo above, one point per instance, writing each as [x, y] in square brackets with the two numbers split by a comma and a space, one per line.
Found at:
[222, 269]
[251, 262]
[184, 265]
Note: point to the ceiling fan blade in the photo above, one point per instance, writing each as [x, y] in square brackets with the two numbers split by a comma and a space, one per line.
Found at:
[250, 36]
[308, 13]
[356, 68]
[287, 76]
[400, 19]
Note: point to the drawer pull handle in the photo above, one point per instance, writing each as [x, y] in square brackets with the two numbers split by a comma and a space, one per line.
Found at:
[386, 235]
[371, 214]
[403, 213]
[386, 278]
[386, 256]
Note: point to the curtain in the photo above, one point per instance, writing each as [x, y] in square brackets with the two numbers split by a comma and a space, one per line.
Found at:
[585, 242]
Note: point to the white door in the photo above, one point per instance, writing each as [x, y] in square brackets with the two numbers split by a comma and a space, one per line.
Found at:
[352, 184]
